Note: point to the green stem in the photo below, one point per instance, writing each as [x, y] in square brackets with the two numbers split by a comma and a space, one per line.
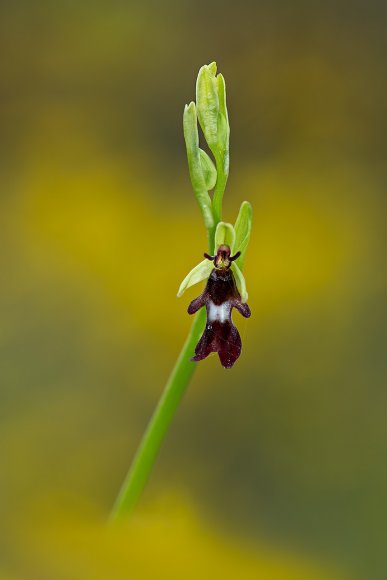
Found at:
[211, 239]
[159, 423]
[217, 200]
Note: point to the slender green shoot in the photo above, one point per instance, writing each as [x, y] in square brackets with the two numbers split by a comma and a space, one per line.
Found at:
[159, 423]
[211, 112]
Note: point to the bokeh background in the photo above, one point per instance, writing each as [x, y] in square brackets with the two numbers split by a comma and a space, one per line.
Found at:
[277, 469]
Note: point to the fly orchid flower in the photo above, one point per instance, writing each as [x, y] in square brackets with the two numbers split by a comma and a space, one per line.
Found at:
[225, 289]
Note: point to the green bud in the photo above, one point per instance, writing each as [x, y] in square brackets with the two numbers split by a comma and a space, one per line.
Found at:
[207, 102]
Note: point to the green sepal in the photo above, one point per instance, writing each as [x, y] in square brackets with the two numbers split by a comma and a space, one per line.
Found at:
[197, 274]
[209, 170]
[191, 137]
[240, 282]
[224, 235]
[243, 227]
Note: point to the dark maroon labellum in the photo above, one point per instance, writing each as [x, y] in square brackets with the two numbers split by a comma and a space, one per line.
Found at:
[220, 296]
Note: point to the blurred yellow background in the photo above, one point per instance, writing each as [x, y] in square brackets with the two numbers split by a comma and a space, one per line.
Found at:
[277, 469]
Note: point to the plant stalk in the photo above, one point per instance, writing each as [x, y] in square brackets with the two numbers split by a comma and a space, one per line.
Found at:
[159, 423]
[219, 190]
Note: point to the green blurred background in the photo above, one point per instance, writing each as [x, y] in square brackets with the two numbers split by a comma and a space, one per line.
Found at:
[277, 469]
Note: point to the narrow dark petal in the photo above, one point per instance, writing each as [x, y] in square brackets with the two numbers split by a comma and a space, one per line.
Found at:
[196, 304]
[205, 345]
[243, 308]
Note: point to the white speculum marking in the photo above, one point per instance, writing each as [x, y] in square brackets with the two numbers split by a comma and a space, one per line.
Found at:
[219, 312]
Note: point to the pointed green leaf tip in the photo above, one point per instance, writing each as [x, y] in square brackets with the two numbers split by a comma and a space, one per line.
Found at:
[212, 67]
[197, 274]
[222, 95]
[243, 227]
